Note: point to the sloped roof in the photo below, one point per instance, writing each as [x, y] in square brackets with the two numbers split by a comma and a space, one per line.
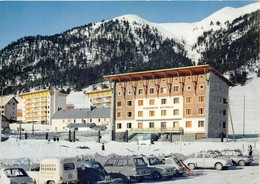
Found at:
[83, 113]
[80, 125]
[5, 99]
[171, 72]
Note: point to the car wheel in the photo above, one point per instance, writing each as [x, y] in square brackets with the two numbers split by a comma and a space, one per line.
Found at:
[218, 166]
[51, 182]
[242, 163]
[156, 175]
[191, 166]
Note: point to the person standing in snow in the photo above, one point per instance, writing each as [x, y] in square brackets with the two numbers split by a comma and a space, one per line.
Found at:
[250, 151]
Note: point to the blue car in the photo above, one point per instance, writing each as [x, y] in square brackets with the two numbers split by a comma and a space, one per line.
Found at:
[91, 172]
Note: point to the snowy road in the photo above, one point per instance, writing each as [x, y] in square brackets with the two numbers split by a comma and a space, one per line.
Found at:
[235, 174]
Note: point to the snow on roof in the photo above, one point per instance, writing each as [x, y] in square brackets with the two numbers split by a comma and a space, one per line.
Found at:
[82, 113]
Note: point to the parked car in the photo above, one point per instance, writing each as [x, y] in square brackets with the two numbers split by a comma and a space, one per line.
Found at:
[132, 167]
[237, 157]
[14, 174]
[207, 160]
[158, 170]
[90, 171]
[171, 160]
[54, 170]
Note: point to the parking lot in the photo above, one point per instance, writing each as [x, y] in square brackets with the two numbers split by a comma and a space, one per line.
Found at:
[234, 175]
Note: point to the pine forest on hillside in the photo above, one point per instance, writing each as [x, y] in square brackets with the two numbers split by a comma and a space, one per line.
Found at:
[83, 55]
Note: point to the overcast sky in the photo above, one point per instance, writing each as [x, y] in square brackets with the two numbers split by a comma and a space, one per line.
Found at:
[27, 18]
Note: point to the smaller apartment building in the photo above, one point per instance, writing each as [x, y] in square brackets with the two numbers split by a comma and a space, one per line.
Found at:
[101, 98]
[189, 100]
[65, 117]
[39, 106]
[8, 110]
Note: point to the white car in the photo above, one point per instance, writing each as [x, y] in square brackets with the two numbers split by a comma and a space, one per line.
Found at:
[14, 175]
[207, 160]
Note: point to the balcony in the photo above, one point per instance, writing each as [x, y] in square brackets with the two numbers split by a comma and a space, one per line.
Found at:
[156, 130]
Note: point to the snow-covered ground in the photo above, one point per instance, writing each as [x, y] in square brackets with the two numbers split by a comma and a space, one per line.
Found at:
[251, 92]
[24, 152]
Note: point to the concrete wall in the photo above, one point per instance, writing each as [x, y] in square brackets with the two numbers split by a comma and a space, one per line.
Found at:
[217, 91]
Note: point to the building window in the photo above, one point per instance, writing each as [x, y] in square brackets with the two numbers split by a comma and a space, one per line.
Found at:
[140, 113]
[224, 124]
[200, 123]
[224, 112]
[129, 103]
[188, 124]
[90, 120]
[119, 104]
[140, 125]
[163, 112]
[189, 88]
[176, 100]
[129, 114]
[140, 91]
[201, 86]
[119, 93]
[175, 124]
[151, 90]
[201, 111]
[224, 101]
[188, 111]
[151, 125]
[129, 125]
[201, 99]
[163, 101]
[151, 113]
[119, 114]
[140, 102]
[98, 120]
[163, 124]
[188, 99]
[129, 92]
[176, 112]
[176, 88]
[118, 125]
[163, 90]
[151, 101]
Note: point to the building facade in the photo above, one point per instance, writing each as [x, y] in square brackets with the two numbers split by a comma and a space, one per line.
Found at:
[39, 106]
[8, 110]
[66, 117]
[101, 98]
[189, 101]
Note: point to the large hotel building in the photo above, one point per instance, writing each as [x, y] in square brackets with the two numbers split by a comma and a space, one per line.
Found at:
[191, 101]
[39, 106]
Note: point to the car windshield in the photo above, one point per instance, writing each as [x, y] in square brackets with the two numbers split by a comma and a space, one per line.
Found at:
[139, 162]
[213, 155]
[15, 172]
[154, 161]
[238, 153]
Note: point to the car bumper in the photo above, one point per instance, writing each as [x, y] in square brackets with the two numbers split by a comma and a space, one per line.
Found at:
[168, 174]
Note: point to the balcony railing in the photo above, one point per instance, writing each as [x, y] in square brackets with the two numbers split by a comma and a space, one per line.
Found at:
[156, 130]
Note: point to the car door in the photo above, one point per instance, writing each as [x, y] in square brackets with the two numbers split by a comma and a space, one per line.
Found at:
[199, 160]
[208, 161]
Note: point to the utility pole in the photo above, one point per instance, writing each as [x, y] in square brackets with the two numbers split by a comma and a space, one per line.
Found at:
[1, 119]
[244, 117]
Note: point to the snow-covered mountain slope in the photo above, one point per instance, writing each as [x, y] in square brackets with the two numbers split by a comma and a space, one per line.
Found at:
[188, 33]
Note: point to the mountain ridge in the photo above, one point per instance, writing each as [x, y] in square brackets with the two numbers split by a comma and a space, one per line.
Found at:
[125, 44]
